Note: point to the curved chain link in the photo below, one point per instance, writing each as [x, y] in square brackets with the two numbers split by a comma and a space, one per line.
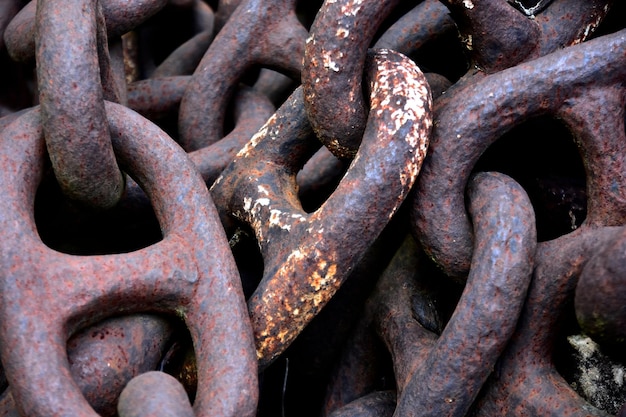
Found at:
[335, 208]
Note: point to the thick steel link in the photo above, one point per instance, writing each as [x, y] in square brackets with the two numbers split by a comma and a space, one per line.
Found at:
[334, 60]
[72, 102]
[477, 115]
[8, 10]
[157, 97]
[498, 36]
[426, 22]
[458, 361]
[502, 263]
[103, 358]
[120, 15]
[47, 295]
[303, 266]
[526, 382]
[599, 302]
[154, 393]
[425, 342]
[262, 33]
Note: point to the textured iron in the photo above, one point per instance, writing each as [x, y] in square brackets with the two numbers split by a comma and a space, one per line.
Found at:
[259, 236]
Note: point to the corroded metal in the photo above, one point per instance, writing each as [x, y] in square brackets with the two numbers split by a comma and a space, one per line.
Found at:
[55, 294]
[526, 382]
[474, 117]
[334, 61]
[456, 363]
[154, 393]
[301, 261]
[599, 301]
[261, 33]
[103, 358]
[121, 16]
[72, 103]
[303, 267]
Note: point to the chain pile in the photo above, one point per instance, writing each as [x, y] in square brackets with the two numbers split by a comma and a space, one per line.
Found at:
[280, 207]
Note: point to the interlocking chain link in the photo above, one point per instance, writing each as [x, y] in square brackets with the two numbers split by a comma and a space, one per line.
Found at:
[335, 208]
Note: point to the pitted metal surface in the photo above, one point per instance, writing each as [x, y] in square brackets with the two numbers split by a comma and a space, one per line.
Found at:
[329, 208]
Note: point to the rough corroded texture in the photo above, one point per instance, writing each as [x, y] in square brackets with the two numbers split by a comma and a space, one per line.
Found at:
[426, 22]
[497, 36]
[185, 59]
[474, 117]
[154, 394]
[334, 61]
[377, 404]
[262, 33]
[158, 97]
[525, 382]
[359, 302]
[461, 360]
[8, 10]
[72, 103]
[600, 295]
[251, 111]
[306, 255]
[104, 357]
[121, 16]
[455, 363]
[48, 295]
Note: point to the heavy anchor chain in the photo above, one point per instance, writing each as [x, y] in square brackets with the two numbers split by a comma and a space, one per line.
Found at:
[244, 207]
[298, 244]
[190, 273]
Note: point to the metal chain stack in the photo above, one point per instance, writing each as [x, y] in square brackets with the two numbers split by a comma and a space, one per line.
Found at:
[338, 208]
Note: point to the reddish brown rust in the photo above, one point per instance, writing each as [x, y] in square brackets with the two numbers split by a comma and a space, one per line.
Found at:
[158, 97]
[303, 264]
[473, 117]
[72, 103]
[525, 381]
[502, 262]
[173, 41]
[522, 52]
[333, 66]
[497, 36]
[600, 295]
[154, 394]
[426, 22]
[104, 357]
[185, 59]
[224, 12]
[121, 16]
[456, 363]
[376, 404]
[48, 295]
[263, 33]
[8, 10]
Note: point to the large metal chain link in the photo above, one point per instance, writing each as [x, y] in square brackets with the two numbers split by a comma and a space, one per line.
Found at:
[331, 208]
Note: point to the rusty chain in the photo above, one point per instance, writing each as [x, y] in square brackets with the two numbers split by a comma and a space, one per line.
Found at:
[335, 208]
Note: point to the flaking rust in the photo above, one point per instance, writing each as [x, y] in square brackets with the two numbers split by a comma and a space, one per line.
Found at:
[307, 256]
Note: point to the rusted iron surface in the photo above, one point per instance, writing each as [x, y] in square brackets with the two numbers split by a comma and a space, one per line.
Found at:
[486, 109]
[120, 15]
[294, 242]
[320, 208]
[405, 317]
[599, 301]
[526, 382]
[184, 277]
[72, 103]
[154, 394]
[105, 357]
[266, 33]
[334, 61]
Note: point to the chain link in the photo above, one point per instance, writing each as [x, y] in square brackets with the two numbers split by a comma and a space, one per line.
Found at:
[333, 208]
